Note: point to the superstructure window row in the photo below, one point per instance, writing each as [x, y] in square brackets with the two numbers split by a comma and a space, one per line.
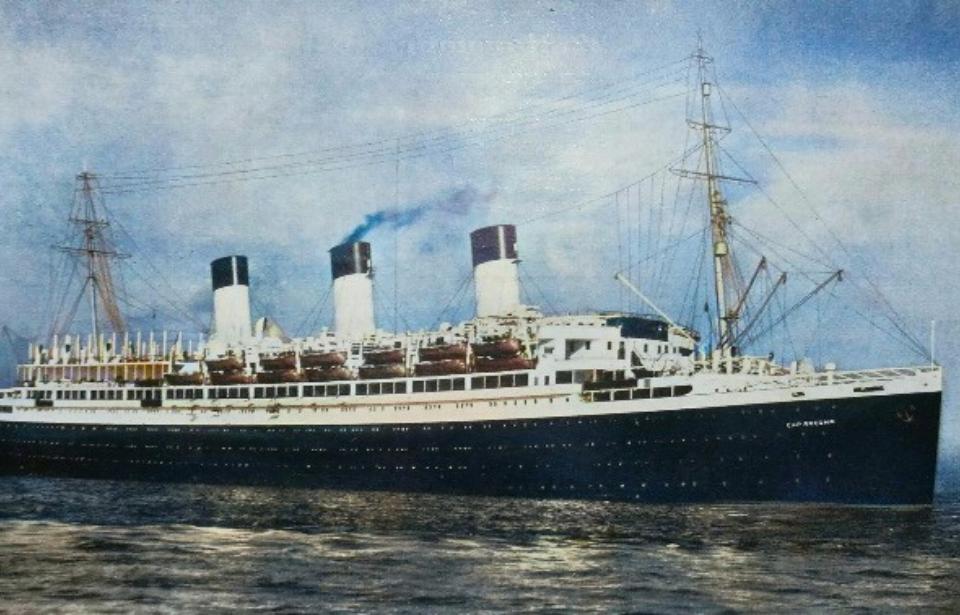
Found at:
[181, 393]
[228, 393]
[576, 376]
[387, 387]
[272, 392]
[326, 390]
[627, 394]
[72, 394]
[382, 388]
[441, 384]
[500, 381]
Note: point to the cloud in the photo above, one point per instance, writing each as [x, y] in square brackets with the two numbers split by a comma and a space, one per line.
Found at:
[876, 174]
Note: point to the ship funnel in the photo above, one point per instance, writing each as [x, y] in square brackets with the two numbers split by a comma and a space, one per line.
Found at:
[352, 271]
[495, 277]
[231, 299]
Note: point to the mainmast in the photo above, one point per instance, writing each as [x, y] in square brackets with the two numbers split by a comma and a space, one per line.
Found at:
[95, 250]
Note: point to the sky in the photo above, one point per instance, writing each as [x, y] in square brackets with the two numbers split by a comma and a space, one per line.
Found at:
[278, 129]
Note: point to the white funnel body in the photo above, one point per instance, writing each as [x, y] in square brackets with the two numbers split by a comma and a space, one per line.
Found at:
[495, 276]
[231, 300]
[352, 290]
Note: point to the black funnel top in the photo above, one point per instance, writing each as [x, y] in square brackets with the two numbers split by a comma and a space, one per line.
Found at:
[493, 243]
[350, 258]
[229, 271]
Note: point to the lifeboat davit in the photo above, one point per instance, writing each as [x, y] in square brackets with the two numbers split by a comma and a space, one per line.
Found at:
[280, 361]
[280, 375]
[447, 352]
[499, 348]
[503, 364]
[322, 359]
[231, 377]
[326, 375]
[373, 372]
[229, 362]
[184, 379]
[441, 368]
[383, 357]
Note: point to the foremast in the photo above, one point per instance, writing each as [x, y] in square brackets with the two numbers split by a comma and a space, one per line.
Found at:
[717, 203]
[724, 271]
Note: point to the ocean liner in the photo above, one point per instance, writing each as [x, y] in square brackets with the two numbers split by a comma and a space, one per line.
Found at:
[511, 402]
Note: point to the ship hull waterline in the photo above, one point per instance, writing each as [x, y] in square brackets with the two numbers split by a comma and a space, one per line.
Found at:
[875, 451]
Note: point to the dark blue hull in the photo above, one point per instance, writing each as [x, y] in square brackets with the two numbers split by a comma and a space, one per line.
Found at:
[867, 451]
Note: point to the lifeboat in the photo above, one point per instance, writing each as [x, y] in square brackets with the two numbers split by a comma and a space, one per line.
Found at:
[229, 362]
[373, 372]
[183, 379]
[231, 377]
[280, 375]
[326, 375]
[441, 368]
[447, 352]
[322, 359]
[383, 357]
[500, 348]
[280, 361]
[503, 364]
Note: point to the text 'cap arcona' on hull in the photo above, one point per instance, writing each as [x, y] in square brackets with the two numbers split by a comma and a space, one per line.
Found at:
[511, 402]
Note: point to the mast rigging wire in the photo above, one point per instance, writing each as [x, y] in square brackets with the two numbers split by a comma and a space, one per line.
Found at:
[363, 158]
[894, 317]
[136, 174]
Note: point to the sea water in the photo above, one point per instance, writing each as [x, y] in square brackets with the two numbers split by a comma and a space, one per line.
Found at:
[100, 546]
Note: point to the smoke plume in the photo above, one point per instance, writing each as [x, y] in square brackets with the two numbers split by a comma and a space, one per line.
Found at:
[457, 201]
